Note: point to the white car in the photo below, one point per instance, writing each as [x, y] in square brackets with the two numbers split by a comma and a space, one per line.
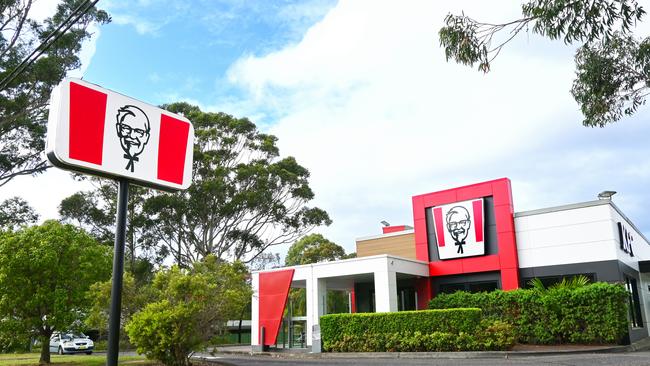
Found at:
[67, 342]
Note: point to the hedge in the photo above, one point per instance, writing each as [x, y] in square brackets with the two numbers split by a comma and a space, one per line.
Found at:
[426, 330]
[489, 336]
[596, 313]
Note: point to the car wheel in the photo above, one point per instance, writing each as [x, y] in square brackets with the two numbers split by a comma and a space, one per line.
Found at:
[60, 350]
[89, 353]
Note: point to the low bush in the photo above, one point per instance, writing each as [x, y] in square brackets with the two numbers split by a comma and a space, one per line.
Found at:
[595, 313]
[334, 326]
[488, 336]
[426, 330]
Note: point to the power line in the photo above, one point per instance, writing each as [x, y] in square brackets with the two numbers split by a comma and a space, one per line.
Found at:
[77, 13]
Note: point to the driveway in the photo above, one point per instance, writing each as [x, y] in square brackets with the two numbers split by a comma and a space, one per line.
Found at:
[604, 359]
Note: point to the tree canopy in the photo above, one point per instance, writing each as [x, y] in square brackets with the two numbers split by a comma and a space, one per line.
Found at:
[95, 212]
[15, 212]
[316, 248]
[23, 103]
[45, 272]
[244, 198]
[313, 248]
[612, 65]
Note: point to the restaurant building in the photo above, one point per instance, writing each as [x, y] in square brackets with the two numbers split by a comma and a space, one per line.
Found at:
[467, 238]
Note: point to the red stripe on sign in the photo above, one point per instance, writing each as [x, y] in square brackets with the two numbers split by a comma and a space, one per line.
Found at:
[477, 207]
[171, 149]
[87, 114]
[440, 230]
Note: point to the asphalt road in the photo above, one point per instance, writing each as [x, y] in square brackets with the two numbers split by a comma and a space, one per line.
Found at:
[605, 359]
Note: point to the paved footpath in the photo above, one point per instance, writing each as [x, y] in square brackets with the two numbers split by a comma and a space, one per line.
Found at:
[572, 359]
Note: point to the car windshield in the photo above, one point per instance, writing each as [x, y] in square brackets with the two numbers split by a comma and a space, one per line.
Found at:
[71, 336]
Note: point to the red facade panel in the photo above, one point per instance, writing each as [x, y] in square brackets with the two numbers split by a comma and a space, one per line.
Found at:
[474, 191]
[439, 198]
[273, 292]
[393, 229]
[417, 213]
[504, 218]
[421, 248]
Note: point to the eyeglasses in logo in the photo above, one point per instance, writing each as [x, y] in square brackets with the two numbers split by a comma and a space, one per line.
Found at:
[133, 129]
[458, 225]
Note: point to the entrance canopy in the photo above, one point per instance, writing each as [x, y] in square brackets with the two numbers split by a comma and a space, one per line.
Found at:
[384, 271]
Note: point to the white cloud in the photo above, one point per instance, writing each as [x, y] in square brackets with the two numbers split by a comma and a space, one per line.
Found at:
[367, 102]
[42, 9]
[141, 25]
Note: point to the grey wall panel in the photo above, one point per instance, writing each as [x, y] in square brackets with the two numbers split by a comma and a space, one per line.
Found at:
[606, 271]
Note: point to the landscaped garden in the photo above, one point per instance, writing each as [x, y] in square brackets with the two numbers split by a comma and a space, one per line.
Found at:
[570, 314]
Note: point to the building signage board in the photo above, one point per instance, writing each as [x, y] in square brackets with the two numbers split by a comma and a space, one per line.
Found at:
[459, 229]
[626, 239]
[101, 132]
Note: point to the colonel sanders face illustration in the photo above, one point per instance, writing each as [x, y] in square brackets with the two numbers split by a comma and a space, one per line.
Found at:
[133, 129]
[458, 223]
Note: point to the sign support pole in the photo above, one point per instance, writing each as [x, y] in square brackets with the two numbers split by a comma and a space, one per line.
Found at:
[118, 271]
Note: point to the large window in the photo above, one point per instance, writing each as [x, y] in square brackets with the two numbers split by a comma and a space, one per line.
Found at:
[634, 302]
[448, 288]
[548, 281]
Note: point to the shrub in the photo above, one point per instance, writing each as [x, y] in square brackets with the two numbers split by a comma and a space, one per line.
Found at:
[334, 326]
[165, 332]
[595, 313]
[426, 330]
[490, 335]
[193, 306]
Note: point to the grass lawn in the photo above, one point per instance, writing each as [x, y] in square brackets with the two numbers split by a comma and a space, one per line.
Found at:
[31, 359]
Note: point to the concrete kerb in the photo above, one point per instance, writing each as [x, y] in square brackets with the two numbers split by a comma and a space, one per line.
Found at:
[641, 345]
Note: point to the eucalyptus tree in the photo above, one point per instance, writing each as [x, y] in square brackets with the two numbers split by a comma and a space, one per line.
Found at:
[23, 102]
[244, 197]
[15, 212]
[612, 64]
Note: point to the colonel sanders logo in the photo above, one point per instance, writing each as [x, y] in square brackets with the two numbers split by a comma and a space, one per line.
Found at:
[458, 225]
[133, 129]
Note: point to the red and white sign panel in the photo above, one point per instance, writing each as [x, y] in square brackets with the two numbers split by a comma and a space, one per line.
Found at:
[98, 131]
[459, 229]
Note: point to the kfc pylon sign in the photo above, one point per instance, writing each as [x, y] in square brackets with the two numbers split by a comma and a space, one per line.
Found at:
[459, 229]
[101, 132]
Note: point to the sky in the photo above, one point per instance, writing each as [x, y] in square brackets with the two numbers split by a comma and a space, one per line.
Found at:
[360, 93]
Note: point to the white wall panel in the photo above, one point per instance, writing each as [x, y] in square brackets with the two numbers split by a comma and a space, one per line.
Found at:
[576, 235]
[576, 253]
[562, 217]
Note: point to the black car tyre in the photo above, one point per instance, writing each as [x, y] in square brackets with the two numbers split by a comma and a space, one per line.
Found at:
[60, 350]
[89, 353]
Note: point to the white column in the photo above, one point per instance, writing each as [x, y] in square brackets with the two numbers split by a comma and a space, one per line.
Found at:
[255, 309]
[316, 291]
[385, 291]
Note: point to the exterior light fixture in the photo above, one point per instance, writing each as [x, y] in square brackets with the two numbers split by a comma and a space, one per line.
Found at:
[606, 195]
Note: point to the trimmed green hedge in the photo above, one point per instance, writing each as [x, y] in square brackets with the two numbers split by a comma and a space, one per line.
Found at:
[595, 313]
[426, 330]
[334, 326]
[489, 336]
